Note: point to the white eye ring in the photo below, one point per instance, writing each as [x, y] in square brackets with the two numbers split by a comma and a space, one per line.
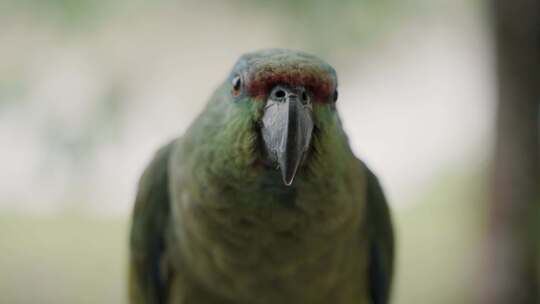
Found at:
[236, 85]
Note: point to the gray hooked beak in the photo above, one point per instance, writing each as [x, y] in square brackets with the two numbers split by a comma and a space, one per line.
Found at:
[287, 127]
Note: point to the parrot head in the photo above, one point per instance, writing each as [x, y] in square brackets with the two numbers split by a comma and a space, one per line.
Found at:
[293, 91]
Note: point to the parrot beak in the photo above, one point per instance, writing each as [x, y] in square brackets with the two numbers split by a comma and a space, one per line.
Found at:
[287, 125]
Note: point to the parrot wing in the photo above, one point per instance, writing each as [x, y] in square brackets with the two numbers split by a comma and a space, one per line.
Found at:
[148, 276]
[381, 242]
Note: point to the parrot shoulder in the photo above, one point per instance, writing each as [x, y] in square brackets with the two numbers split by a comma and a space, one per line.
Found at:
[381, 241]
[148, 273]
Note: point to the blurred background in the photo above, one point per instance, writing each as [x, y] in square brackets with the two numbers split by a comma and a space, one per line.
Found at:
[90, 89]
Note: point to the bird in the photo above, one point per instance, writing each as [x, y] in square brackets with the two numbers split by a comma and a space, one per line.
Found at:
[262, 200]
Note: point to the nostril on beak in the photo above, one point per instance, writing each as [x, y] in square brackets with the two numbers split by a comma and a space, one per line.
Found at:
[280, 93]
[304, 96]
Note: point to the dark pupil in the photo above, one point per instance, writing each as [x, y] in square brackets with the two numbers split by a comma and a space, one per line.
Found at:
[335, 95]
[237, 83]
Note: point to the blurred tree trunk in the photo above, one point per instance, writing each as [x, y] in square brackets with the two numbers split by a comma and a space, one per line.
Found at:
[511, 275]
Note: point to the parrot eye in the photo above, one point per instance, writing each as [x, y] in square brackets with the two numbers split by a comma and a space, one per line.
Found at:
[236, 85]
[335, 95]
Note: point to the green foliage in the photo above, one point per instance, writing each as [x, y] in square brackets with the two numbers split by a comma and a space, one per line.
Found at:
[318, 25]
[325, 26]
[439, 240]
[62, 260]
[73, 12]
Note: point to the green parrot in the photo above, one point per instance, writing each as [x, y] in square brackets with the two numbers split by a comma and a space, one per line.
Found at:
[262, 201]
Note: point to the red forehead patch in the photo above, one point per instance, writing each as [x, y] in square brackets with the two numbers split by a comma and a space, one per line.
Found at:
[319, 81]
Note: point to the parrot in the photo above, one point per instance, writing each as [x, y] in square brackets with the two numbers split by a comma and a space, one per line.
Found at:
[261, 200]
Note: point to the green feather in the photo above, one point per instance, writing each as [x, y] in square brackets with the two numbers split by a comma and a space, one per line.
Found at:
[214, 223]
